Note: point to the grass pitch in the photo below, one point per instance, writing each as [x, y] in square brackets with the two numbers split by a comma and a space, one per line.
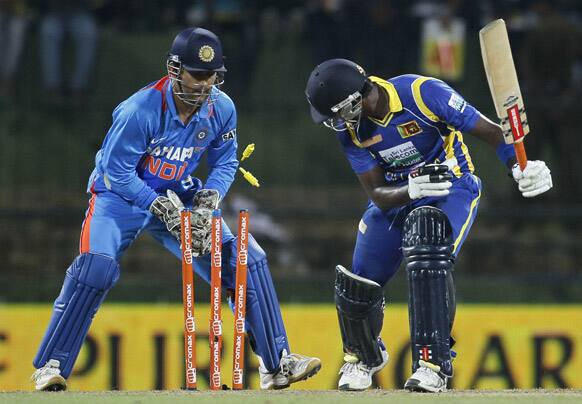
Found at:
[288, 397]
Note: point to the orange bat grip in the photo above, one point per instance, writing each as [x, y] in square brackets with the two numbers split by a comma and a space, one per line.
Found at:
[520, 154]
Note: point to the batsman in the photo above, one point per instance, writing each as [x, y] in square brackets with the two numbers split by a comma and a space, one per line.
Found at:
[143, 177]
[403, 138]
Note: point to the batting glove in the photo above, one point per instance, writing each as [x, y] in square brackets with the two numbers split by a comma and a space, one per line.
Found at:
[534, 180]
[429, 180]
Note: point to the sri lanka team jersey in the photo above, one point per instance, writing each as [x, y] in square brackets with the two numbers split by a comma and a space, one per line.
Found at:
[423, 126]
[148, 149]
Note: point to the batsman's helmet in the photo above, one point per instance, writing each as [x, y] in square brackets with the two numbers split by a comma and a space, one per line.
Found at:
[335, 90]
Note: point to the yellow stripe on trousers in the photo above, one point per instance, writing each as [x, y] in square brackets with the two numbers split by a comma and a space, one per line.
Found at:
[466, 224]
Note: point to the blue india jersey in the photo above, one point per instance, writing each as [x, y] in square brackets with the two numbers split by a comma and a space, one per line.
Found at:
[149, 150]
[423, 126]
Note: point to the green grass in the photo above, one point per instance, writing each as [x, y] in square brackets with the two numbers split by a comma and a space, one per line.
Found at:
[311, 397]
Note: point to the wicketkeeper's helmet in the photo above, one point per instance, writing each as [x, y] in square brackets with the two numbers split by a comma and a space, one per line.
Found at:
[198, 50]
[195, 50]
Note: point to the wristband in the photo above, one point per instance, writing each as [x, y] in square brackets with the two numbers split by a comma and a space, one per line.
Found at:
[505, 152]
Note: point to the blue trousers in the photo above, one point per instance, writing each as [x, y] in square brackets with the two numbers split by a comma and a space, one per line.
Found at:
[110, 226]
[378, 254]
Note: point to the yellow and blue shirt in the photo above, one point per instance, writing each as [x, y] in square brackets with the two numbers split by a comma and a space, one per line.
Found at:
[424, 125]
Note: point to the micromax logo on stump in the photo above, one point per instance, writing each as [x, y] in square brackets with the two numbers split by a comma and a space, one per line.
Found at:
[240, 325]
[240, 321]
[237, 372]
[190, 323]
[191, 374]
[188, 256]
[191, 370]
[216, 364]
[217, 253]
[216, 374]
[187, 242]
[216, 322]
[243, 253]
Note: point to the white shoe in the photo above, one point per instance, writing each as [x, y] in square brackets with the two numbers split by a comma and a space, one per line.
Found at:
[427, 379]
[48, 378]
[293, 368]
[356, 375]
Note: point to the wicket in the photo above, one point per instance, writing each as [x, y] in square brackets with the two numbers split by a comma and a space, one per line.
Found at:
[240, 301]
[188, 301]
[215, 324]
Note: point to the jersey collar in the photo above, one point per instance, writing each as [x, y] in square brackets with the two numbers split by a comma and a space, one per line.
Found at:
[394, 102]
[202, 113]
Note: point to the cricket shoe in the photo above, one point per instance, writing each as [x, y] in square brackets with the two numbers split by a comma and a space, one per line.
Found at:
[427, 378]
[48, 378]
[357, 376]
[292, 368]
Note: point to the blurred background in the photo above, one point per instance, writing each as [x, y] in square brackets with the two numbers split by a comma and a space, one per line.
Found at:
[66, 64]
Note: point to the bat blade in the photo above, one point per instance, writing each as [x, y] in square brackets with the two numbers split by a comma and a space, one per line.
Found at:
[504, 85]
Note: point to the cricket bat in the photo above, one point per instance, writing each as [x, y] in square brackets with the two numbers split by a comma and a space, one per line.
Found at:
[504, 86]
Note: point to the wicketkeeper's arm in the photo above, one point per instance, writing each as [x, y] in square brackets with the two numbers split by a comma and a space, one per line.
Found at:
[125, 145]
[221, 158]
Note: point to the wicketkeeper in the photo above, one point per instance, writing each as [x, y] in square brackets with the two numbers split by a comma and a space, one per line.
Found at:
[142, 178]
[404, 140]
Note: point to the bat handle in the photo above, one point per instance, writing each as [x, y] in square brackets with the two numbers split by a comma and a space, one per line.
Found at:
[520, 154]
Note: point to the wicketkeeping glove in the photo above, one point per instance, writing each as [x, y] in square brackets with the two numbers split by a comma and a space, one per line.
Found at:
[429, 180]
[204, 203]
[167, 209]
[534, 180]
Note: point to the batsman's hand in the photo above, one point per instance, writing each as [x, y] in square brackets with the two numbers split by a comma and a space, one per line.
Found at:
[534, 180]
[167, 209]
[205, 201]
[429, 180]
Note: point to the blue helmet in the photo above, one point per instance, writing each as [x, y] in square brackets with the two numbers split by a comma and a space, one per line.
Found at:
[198, 50]
[335, 90]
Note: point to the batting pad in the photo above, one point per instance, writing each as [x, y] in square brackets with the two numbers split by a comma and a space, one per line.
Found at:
[427, 246]
[86, 283]
[264, 322]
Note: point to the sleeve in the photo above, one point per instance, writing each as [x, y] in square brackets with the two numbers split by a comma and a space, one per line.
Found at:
[126, 144]
[505, 152]
[448, 105]
[221, 158]
[360, 158]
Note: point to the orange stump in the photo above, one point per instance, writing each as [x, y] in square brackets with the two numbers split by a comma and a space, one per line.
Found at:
[215, 326]
[188, 301]
[240, 301]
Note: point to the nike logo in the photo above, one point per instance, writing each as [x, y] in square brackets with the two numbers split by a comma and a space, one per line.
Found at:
[156, 141]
